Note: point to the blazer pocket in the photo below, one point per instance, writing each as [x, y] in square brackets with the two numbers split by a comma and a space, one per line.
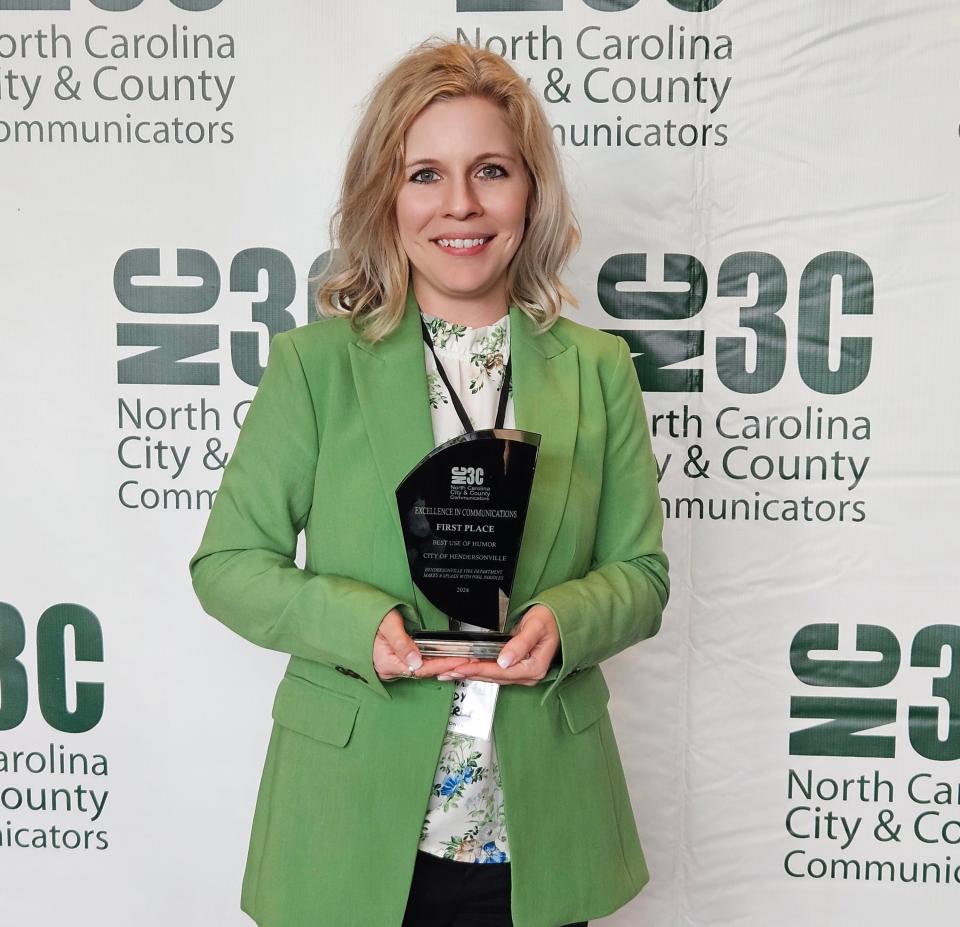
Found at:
[584, 698]
[315, 711]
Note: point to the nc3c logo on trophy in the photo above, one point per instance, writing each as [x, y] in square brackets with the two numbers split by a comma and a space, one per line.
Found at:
[466, 476]
[556, 6]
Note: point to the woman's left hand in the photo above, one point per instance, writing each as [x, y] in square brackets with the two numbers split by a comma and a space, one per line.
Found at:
[527, 656]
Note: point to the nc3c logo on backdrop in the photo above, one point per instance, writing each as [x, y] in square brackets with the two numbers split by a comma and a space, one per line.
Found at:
[846, 718]
[172, 343]
[833, 285]
[52, 661]
[553, 6]
[108, 6]
[658, 349]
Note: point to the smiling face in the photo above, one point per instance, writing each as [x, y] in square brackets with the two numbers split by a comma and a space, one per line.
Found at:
[464, 180]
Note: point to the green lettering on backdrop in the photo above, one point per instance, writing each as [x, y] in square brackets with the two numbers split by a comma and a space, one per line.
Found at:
[848, 716]
[271, 311]
[13, 676]
[695, 6]
[658, 349]
[509, 6]
[860, 674]
[116, 6]
[34, 5]
[851, 715]
[611, 6]
[856, 298]
[923, 723]
[52, 667]
[108, 6]
[761, 318]
[166, 298]
[601, 6]
[172, 343]
[122, 6]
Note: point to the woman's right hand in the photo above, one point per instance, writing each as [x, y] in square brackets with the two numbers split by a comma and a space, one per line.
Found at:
[395, 654]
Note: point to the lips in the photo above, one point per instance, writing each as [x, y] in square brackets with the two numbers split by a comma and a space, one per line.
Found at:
[463, 252]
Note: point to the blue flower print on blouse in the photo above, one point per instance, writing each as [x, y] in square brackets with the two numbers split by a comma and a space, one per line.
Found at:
[492, 854]
[465, 818]
[449, 785]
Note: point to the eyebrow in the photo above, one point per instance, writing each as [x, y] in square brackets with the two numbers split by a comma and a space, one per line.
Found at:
[486, 154]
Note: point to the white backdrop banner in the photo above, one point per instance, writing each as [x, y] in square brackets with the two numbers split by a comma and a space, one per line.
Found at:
[769, 198]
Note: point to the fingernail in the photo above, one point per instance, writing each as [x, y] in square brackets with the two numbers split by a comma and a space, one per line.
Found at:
[504, 660]
[450, 676]
[413, 660]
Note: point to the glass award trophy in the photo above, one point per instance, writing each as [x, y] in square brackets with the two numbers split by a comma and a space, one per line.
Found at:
[462, 510]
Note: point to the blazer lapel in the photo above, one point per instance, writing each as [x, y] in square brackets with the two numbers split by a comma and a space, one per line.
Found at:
[546, 400]
[391, 382]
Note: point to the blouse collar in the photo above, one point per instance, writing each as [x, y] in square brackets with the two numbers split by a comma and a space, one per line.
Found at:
[465, 340]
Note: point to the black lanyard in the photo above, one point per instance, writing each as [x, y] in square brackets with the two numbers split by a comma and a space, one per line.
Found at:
[461, 412]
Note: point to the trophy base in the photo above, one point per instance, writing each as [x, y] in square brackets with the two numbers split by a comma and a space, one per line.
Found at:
[470, 644]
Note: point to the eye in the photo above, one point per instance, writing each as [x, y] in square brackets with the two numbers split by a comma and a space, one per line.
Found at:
[496, 167]
[425, 170]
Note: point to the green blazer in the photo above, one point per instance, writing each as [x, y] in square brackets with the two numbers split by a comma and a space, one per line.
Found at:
[334, 427]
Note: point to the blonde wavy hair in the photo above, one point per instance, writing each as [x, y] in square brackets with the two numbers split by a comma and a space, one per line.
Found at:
[369, 278]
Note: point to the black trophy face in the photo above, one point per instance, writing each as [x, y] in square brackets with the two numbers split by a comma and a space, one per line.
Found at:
[462, 509]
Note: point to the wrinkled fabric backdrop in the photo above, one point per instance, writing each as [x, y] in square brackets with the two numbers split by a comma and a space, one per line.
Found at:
[768, 197]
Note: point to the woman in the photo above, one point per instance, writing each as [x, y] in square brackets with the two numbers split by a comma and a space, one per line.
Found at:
[376, 802]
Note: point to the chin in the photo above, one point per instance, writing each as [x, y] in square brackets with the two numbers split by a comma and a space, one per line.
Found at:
[462, 286]
[481, 289]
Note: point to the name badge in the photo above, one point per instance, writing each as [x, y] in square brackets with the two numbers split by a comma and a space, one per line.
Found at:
[474, 702]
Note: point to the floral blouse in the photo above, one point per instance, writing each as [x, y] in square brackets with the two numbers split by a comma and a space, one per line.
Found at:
[465, 818]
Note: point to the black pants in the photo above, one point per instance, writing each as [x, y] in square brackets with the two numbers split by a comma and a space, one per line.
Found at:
[446, 893]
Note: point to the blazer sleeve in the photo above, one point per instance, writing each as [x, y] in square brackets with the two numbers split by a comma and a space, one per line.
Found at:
[244, 572]
[620, 600]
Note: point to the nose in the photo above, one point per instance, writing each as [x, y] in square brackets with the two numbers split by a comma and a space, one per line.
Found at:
[461, 200]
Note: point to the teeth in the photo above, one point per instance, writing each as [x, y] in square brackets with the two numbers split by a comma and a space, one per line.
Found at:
[461, 242]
